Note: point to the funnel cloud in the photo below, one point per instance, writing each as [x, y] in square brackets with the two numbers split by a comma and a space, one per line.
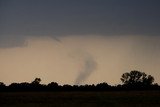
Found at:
[89, 66]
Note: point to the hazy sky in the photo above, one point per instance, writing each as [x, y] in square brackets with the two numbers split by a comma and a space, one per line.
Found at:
[78, 41]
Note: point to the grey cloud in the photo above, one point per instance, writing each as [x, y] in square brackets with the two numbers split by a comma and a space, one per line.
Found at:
[12, 41]
[55, 18]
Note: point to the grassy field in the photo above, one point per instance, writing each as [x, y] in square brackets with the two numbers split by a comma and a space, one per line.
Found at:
[80, 99]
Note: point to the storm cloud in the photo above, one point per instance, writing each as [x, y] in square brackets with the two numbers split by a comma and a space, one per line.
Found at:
[21, 19]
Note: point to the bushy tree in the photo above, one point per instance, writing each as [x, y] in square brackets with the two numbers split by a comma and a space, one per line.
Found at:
[137, 78]
[2, 84]
[53, 86]
[36, 81]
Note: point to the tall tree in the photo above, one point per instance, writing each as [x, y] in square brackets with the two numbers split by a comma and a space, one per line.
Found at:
[137, 78]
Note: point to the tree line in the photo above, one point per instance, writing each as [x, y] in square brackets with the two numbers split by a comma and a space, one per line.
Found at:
[134, 80]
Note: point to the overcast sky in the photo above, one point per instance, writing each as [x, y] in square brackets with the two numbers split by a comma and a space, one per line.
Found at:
[78, 41]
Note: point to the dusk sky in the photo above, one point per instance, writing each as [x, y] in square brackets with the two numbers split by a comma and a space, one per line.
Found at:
[78, 41]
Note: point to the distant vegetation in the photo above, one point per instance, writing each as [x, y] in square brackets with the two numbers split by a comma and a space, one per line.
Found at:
[134, 80]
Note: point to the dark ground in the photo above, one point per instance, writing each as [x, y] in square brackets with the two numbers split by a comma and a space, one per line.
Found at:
[80, 99]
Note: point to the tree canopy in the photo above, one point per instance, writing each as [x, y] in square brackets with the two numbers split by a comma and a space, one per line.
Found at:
[134, 80]
[137, 78]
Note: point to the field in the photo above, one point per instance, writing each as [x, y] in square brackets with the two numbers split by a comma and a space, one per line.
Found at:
[80, 99]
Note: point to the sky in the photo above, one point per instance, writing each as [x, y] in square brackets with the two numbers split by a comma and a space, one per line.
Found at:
[78, 41]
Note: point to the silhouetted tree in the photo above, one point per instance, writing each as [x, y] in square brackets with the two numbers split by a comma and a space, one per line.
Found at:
[14, 86]
[2, 84]
[134, 80]
[67, 87]
[35, 85]
[53, 86]
[36, 81]
[137, 78]
[102, 86]
[24, 86]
